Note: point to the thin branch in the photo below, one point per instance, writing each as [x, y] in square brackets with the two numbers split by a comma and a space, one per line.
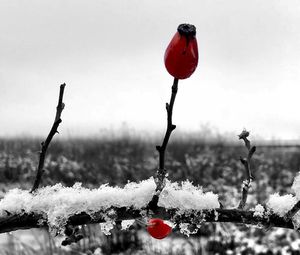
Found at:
[246, 162]
[26, 221]
[45, 144]
[161, 172]
[290, 214]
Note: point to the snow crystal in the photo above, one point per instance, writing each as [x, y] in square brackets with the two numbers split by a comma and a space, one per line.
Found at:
[186, 197]
[126, 224]
[280, 205]
[259, 211]
[296, 186]
[185, 229]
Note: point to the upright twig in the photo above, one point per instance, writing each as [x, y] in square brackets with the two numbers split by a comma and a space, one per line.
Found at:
[161, 172]
[45, 144]
[246, 163]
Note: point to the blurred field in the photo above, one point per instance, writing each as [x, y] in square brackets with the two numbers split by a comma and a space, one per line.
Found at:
[215, 166]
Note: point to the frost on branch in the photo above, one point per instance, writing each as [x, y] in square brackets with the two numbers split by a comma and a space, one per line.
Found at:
[57, 203]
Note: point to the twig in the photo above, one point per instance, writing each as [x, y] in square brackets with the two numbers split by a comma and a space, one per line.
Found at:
[246, 163]
[45, 144]
[161, 172]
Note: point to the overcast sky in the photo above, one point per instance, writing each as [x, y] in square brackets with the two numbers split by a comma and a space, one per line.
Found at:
[110, 55]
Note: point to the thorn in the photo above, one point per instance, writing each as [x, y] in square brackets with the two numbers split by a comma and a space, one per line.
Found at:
[173, 127]
[158, 147]
[56, 132]
[243, 160]
[8, 213]
[252, 151]
[167, 107]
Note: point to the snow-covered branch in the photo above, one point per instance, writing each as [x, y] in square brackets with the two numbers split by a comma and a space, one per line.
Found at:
[185, 205]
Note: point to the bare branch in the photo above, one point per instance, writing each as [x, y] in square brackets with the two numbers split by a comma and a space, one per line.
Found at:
[161, 173]
[246, 163]
[26, 221]
[45, 144]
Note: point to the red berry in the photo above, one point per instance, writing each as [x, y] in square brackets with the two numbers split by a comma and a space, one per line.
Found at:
[158, 229]
[181, 56]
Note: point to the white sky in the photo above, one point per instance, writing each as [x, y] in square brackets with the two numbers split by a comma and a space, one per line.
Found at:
[110, 55]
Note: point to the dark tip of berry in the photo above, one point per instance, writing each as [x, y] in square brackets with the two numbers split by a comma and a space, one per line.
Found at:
[187, 30]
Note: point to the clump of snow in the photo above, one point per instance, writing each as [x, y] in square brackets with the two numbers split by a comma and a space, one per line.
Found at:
[280, 205]
[259, 211]
[187, 197]
[98, 251]
[106, 227]
[296, 186]
[126, 224]
[295, 245]
[57, 203]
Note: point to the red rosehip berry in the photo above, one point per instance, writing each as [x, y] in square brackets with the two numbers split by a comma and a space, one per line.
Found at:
[158, 229]
[181, 56]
